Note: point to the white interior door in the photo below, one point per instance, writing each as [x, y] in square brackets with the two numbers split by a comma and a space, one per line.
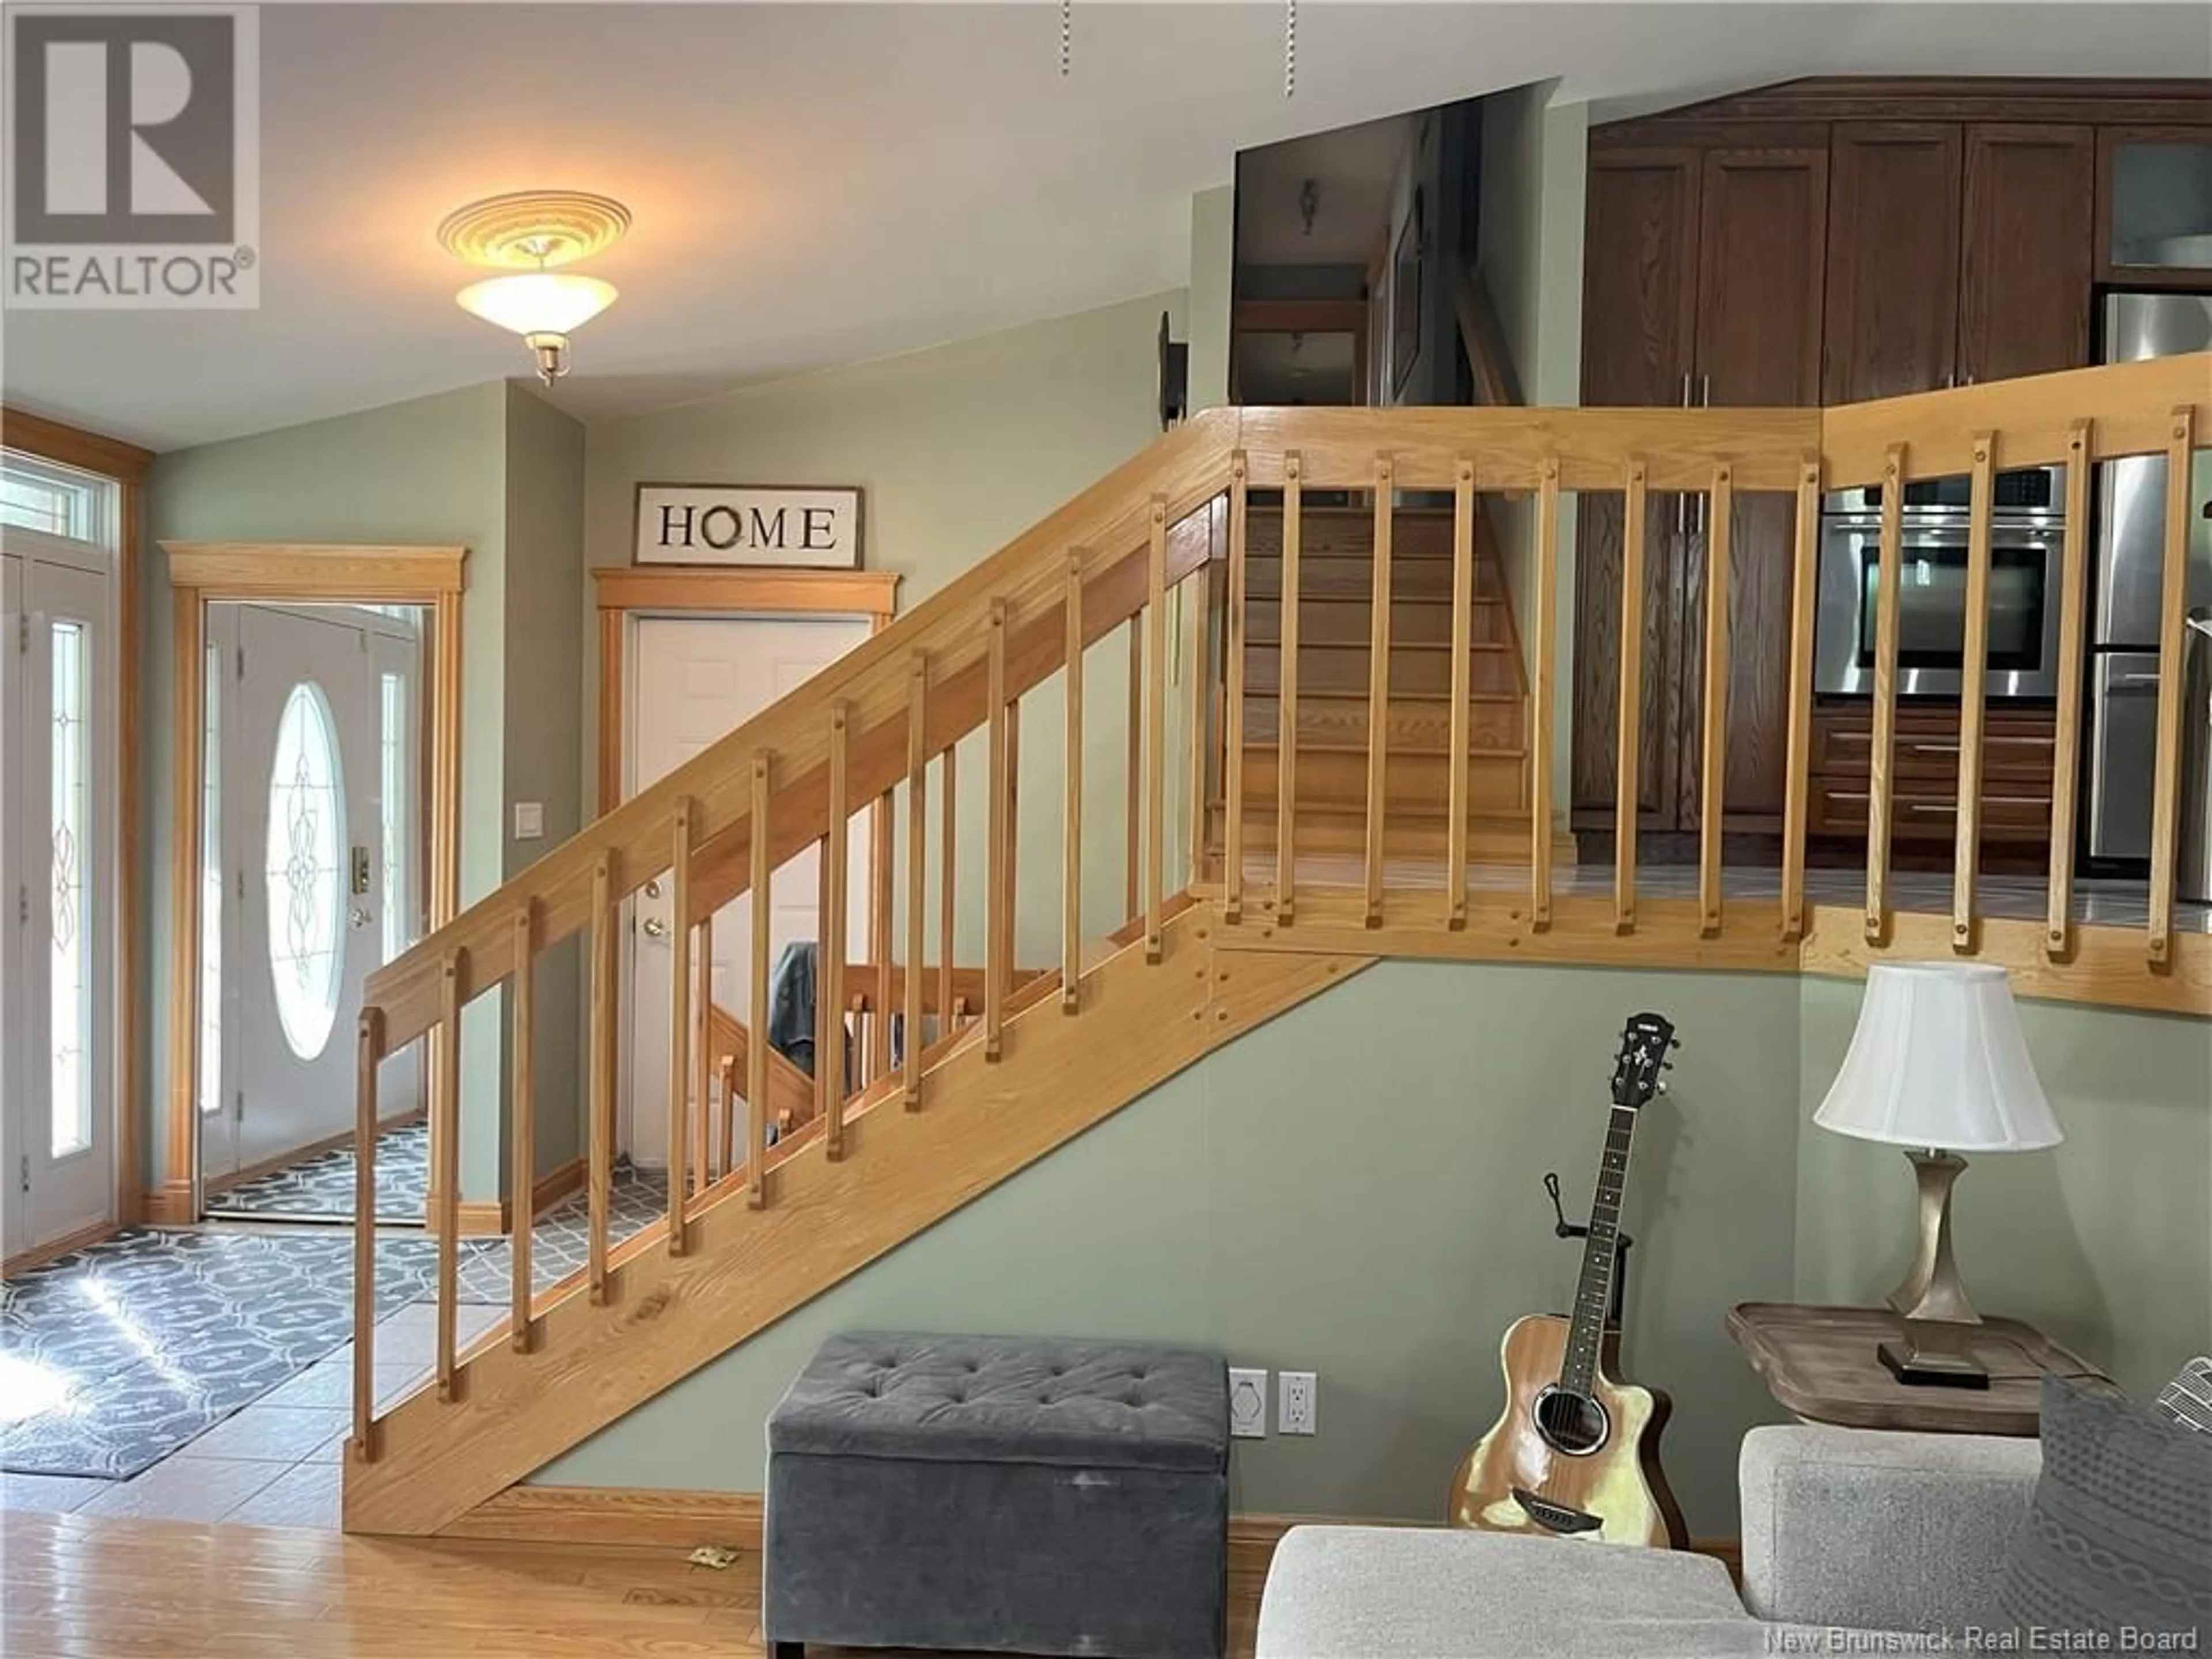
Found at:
[694, 679]
[58, 838]
[301, 820]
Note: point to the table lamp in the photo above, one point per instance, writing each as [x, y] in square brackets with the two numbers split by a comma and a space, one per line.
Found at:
[1939, 1067]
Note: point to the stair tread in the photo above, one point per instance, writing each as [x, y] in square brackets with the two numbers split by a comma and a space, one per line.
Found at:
[1397, 694]
[1316, 746]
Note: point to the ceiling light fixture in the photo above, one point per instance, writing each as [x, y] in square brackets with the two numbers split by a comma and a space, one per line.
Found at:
[530, 233]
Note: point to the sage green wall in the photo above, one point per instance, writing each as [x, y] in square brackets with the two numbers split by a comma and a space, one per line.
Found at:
[1354, 1188]
[1534, 154]
[958, 448]
[489, 467]
[2105, 1241]
[545, 721]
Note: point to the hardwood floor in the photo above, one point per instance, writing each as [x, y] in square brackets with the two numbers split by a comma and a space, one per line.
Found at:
[83, 1587]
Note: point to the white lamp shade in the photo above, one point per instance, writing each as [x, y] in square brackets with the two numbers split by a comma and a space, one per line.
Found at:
[1939, 1060]
[539, 302]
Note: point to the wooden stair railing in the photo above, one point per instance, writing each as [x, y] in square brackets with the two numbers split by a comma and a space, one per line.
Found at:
[888, 716]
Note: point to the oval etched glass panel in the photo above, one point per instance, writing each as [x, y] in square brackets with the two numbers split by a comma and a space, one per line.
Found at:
[306, 873]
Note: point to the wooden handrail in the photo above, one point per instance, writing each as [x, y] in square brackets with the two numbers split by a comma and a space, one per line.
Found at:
[1495, 381]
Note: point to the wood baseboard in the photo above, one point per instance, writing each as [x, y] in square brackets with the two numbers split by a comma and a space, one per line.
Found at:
[487, 1217]
[39, 1254]
[632, 1517]
[170, 1205]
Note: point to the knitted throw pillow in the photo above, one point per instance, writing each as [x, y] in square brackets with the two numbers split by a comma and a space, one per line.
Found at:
[2115, 1553]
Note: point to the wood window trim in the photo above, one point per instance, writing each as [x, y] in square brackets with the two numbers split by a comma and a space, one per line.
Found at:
[205, 572]
[622, 593]
[125, 465]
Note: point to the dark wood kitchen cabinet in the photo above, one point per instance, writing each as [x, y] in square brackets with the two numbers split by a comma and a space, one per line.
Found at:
[1824, 241]
[2026, 245]
[1704, 273]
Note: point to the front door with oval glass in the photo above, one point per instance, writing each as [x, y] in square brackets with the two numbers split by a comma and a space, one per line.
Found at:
[310, 751]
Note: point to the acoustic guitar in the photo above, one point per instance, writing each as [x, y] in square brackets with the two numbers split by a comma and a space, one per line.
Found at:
[1577, 1453]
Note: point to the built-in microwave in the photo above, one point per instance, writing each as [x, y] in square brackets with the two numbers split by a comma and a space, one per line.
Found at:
[2025, 543]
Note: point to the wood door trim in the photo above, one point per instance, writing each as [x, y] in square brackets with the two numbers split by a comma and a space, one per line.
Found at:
[205, 572]
[125, 465]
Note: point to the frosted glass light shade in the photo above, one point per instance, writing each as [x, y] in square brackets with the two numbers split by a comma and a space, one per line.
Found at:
[539, 302]
[1939, 1060]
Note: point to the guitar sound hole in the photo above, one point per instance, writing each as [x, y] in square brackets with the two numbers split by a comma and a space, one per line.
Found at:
[1572, 1424]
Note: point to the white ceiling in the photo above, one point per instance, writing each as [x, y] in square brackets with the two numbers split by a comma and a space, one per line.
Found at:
[819, 184]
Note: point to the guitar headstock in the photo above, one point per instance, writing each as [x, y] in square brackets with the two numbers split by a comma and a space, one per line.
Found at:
[1645, 1041]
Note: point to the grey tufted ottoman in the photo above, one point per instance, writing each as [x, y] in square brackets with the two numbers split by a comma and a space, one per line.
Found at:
[1016, 1494]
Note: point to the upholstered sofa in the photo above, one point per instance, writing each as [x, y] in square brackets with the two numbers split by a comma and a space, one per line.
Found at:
[1845, 1530]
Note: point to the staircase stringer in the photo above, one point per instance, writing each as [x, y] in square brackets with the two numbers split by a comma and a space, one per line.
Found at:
[981, 1121]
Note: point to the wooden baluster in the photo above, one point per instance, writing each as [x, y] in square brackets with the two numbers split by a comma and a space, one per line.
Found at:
[1881, 747]
[760, 873]
[1462, 689]
[599, 1172]
[881, 851]
[368, 1054]
[702, 1062]
[1966, 820]
[1286, 697]
[917, 868]
[2065, 770]
[948, 783]
[1628, 787]
[1232, 709]
[1133, 836]
[1714, 757]
[679, 1016]
[1006, 910]
[1156, 730]
[448, 1179]
[1378, 689]
[829, 1040]
[726, 1067]
[1199, 605]
[1071, 859]
[2166, 788]
[1539, 702]
[1001, 856]
[522, 1153]
[1804, 578]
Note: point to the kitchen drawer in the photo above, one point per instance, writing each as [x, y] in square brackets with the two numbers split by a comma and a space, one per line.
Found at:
[1923, 813]
[2016, 747]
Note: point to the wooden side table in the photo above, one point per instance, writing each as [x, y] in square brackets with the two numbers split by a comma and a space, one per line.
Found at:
[1820, 1364]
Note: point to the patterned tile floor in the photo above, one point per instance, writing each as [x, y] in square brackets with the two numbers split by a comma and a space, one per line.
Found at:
[119, 1360]
[321, 1188]
[113, 1357]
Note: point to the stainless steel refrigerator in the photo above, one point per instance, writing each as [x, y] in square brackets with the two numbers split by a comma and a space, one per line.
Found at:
[2125, 600]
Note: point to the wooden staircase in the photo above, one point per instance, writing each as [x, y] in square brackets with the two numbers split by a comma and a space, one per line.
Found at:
[1204, 940]
[1332, 689]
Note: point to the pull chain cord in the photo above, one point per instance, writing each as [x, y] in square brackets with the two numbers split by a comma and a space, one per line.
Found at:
[1290, 48]
[1066, 35]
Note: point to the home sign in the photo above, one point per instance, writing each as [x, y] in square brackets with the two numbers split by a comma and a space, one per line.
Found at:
[748, 524]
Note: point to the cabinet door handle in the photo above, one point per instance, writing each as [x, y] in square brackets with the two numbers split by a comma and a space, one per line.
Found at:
[1682, 499]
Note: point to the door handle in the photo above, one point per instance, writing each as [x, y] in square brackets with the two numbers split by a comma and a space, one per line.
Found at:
[654, 928]
[360, 917]
[2139, 679]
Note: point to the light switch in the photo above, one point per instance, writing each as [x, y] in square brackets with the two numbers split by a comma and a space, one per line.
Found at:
[530, 820]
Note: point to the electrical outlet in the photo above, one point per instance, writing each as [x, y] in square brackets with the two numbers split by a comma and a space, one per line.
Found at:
[1298, 1409]
[1247, 1404]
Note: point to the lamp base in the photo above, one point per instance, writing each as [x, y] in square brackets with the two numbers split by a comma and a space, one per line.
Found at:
[1921, 1367]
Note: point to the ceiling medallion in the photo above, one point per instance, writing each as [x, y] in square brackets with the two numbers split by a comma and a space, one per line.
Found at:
[531, 233]
[533, 229]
